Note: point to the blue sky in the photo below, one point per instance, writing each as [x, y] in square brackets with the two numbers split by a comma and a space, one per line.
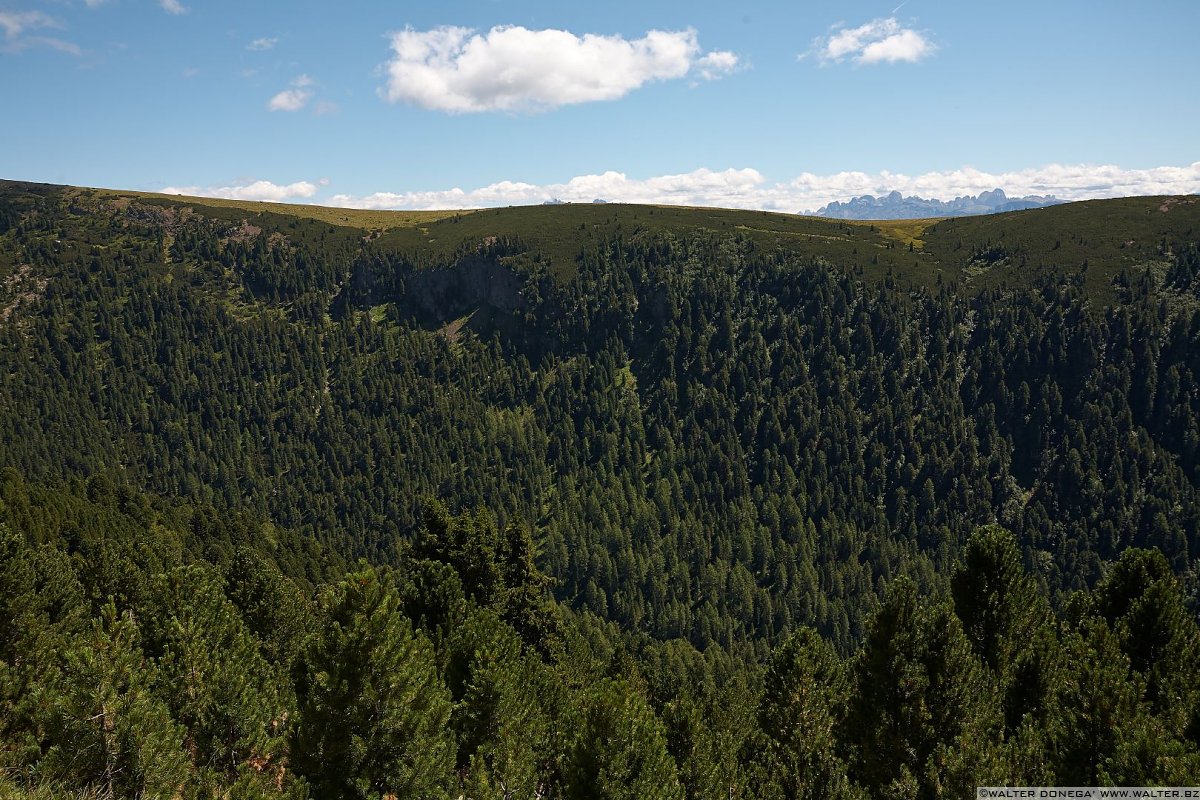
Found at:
[781, 105]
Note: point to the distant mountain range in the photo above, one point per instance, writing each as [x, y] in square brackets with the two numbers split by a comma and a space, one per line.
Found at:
[897, 206]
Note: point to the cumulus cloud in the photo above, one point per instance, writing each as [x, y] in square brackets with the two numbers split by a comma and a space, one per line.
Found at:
[701, 187]
[748, 188]
[255, 190]
[716, 64]
[173, 6]
[292, 99]
[511, 68]
[265, 43]
[880, 40]
[289, 100]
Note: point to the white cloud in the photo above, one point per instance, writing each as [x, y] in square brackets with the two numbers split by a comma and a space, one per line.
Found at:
[265, 43]
[70, 48]
[16, 23]
[255, 190]
[173, 6]
[748, 188]
[511, 68]
[883, 39]
[289, 100]
[701, 187]
[1064, 181]
[94, 3]
[716, 64]
[292, 99]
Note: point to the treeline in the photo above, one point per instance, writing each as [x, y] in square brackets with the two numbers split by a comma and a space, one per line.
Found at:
[138, 659]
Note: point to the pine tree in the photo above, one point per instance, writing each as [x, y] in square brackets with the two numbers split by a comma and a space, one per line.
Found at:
[273, 607]
[1009, 624]
[619, 752]
[221, 689]
[1102, 719]
[374, 713]
[919, 694]
[502, 728]
[794, 755]
[1142, 600]
[107, 728]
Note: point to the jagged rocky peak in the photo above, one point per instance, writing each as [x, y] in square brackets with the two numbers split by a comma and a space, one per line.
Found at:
[895, 205]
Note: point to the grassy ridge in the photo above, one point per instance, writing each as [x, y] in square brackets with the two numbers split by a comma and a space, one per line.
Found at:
[557, 233]
[346, 217]
[1100, 237]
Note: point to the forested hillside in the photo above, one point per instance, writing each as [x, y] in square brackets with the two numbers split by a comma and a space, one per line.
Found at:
[653, 503]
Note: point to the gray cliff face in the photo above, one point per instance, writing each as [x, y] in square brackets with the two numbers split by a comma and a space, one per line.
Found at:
[478, 285]
[478, 292]
[897, 206]
[439, 295]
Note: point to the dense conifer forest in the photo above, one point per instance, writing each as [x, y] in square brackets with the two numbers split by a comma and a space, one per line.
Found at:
[595, 502]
